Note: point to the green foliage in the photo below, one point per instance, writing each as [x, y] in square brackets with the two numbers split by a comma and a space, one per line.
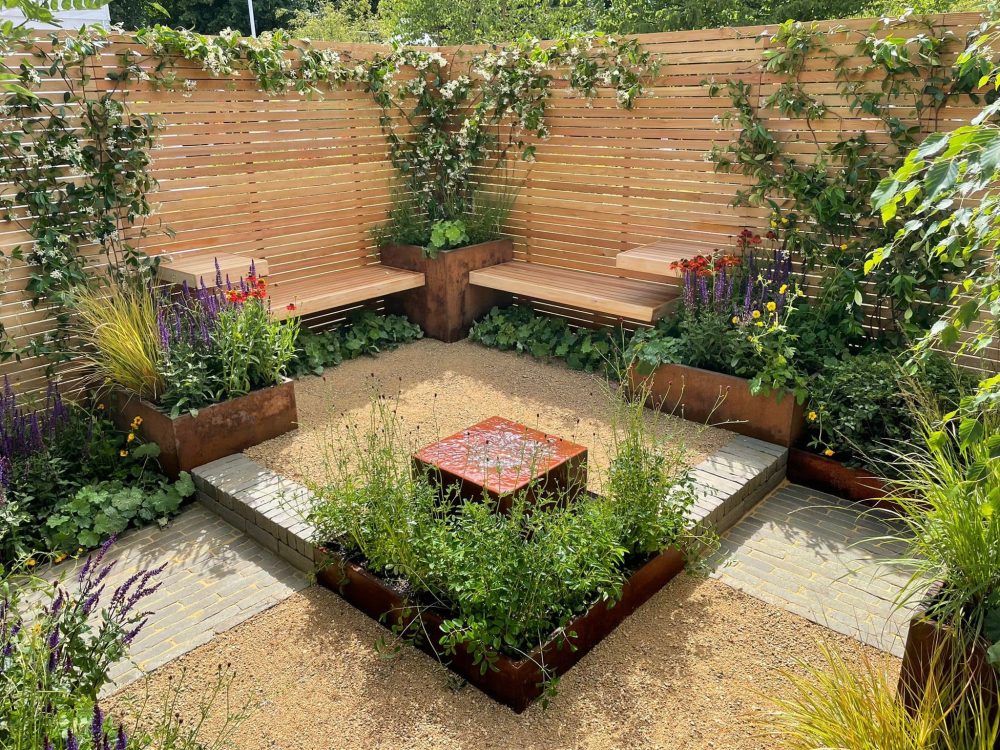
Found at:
[842, 704]
[98, 511]
[340, 21]
[91, 136]
[58, 643]
[365, 332]
[519, 328]
[504, 582]
[949, 496]
[208, 16]
[943, 203]
[824, 199]
[86, 450]
[861, 406]
[446, 234]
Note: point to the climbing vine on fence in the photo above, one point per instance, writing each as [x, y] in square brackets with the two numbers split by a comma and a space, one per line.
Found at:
[75, 162]
[823, 200]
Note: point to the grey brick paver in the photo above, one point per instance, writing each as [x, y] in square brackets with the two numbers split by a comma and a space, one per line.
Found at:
[810, 553]
[216, 577]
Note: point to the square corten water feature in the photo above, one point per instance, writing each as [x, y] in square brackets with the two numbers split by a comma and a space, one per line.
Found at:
[499, 458]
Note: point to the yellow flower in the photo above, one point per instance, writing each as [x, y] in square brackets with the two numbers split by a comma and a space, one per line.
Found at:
[37, 629]
[774, 224]
[828, 452]
[131, 437]
[843, 246]
[813, 416]
[771, 307]
[784, 221]
[783, 288]
[756, 313]
[735, 320]
[60, 557]
[31, 562]
[136, 422]
[100, 407]
[759, 324]
[123, 453]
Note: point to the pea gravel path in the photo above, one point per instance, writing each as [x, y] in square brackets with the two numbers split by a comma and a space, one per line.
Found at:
[693, 669]
[439, 389]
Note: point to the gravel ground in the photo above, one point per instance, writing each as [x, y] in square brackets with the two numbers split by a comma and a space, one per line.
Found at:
[691, 670]
[441, 389]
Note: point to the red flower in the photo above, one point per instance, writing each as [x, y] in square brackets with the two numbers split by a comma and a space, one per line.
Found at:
[291, 307]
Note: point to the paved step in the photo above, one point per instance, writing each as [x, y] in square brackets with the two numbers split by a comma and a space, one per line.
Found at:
[271, 509]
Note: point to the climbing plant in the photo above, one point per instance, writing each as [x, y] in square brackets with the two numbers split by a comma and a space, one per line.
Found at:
[74, 160]
[945, 202]
[823, 200]
[444, 128]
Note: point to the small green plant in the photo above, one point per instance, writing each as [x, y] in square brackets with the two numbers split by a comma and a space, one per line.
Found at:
[100, 510]
[364, 333]
[519, 328]
[862, 405]
[446, 234]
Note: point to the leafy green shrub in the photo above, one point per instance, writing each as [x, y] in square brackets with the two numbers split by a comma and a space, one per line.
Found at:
[49, 455]
[100, 510]
[519, 328]
[861, 406]
[365, 332]
[504, 582]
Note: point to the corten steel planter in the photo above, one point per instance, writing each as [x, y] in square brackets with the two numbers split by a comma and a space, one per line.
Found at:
[724, 400]
[514, 682]
[500, 459]
[822, 473]
[447, 305]
[931, 648]
[217, 431]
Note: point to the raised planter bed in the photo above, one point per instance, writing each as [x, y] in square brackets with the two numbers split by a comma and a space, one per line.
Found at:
[447, 305]
[828, 475]
[723, 400]
[216, 431]
[929, 647]
[514, 682]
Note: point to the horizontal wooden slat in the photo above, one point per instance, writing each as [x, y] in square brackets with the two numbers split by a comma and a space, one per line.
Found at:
[314, 295]
[624, 298]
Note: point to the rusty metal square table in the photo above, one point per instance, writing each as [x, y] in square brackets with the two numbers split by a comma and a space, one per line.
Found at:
[499, 458]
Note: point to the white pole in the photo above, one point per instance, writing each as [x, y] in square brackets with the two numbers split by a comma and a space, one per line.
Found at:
[253, 25]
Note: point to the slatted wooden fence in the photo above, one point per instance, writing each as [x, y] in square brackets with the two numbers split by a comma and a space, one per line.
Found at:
[301, 182]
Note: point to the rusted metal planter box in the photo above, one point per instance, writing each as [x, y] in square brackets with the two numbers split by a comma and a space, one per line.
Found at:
[514, 682]
[447, 305]
[828, 475]
[723, 400]
[931, 648]
[216, 431]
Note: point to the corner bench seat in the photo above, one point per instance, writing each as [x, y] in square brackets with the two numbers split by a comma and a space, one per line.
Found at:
[622, 298]
[337, 289]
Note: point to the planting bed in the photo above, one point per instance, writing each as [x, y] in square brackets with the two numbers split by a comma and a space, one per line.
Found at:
[444, 388]
[513, 682]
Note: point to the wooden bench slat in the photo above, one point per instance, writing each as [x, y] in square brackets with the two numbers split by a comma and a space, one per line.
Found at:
[623, 298]
[319, 293]
[194, 268]
[656, 258]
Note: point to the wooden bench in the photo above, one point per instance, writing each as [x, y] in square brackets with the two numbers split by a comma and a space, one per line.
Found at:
[325, 292]
[622, 298]
[195, 268]
[656, 258]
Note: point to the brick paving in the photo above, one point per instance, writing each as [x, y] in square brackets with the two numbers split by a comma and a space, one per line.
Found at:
[815, 555]
[216, 578]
